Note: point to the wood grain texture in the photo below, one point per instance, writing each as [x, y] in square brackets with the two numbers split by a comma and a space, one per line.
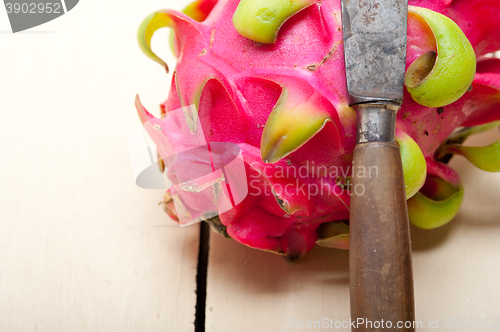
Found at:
[456, 271]
[251, 290]
[81, 247]
[380, 267]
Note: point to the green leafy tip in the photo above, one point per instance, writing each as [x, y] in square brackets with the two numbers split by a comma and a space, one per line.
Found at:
[436, 204]
[153, 22]
[436, 80]
[486, 158]
[260, 20]
[414, 165]
[334, 234]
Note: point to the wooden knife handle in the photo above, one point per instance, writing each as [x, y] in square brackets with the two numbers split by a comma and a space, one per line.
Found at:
[381, 277]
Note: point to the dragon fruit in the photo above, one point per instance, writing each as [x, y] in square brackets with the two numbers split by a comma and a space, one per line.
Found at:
[269, 77]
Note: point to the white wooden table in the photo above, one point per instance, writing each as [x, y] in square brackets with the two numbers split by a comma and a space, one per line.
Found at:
[83, 249]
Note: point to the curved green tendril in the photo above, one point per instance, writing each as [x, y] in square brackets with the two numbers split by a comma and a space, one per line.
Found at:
[153, 22]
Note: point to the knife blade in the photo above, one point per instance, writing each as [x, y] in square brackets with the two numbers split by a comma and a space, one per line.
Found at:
[381, 277]
[375, 49]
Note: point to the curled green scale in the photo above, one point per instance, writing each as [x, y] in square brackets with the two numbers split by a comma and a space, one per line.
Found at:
[260, 20]
[414, 165]
[439, 79]
[334, 234]
[486, 158]
[435, 204]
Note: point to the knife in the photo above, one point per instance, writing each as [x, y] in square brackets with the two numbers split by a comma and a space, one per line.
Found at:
[380, 265]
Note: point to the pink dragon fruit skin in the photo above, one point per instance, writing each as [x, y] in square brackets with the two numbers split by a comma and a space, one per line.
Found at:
[293, 93]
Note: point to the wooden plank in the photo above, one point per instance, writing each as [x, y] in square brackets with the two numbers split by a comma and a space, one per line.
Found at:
[455, 267]
[81, 247]
[250, 290]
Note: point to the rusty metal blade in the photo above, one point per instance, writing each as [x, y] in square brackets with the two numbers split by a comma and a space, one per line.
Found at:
[375, 49]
